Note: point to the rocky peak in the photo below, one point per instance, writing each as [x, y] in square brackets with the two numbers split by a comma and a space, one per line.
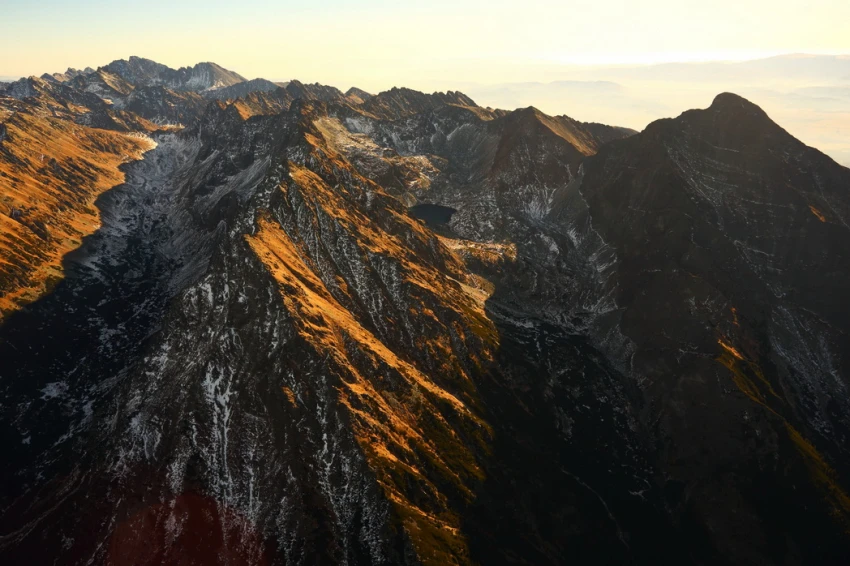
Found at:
[398, 103]
[205, 76]
[137, 70]
[144, 72]
[358, 95]
[730, 122]
[28, 87]
[241, 89]
[69, 74]
[103, 83]
[733, 103]
[298, 90]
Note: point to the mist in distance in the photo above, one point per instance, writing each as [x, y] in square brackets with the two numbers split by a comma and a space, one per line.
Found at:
[809, 95]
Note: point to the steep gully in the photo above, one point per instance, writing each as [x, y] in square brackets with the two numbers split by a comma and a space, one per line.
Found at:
[69, 349]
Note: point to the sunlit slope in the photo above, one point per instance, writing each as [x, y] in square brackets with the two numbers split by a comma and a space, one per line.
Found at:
[51, 173]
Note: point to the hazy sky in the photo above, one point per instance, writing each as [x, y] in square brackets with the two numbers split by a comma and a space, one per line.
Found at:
[377, 44]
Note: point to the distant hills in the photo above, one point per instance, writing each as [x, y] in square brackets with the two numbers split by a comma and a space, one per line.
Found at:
[808, 94]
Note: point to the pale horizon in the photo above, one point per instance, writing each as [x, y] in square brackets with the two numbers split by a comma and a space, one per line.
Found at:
[377, 44]
[516, 71]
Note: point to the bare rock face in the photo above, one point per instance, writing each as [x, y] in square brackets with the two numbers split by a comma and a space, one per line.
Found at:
[201, 77]
[358, 95]
[241, 90]
[400, 103]
[592, 343]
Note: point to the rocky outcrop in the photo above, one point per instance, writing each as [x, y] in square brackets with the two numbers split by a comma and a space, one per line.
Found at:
[102, 83]
[241, 90]
[201, 77]
[400, 103]
[68, 75]
[165, 106]
[357, 95]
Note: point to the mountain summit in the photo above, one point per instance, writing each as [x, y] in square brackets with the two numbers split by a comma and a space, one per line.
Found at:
[144, 72]
[253, 323]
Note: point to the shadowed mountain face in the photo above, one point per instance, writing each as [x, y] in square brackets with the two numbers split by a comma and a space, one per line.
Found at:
[807, 94]
[326, 328]
[730, 241]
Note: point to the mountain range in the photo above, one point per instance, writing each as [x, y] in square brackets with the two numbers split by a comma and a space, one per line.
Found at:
[808, 94]
[248, 322]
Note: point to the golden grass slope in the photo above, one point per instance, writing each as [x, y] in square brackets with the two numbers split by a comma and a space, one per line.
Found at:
[417, 422]
[51, 173]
